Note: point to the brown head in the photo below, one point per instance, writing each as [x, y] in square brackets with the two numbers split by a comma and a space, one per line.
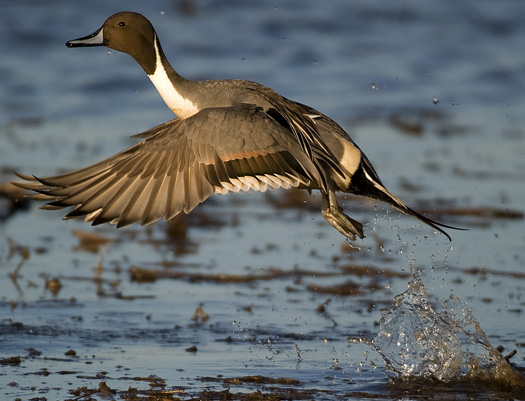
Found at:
[127, 32]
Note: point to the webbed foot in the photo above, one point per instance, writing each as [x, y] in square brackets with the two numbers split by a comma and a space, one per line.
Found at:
[333, 213]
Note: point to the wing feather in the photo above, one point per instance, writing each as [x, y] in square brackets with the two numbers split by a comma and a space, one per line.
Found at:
[178, 165]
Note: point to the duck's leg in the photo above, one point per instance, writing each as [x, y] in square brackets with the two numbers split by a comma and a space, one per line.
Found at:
[333, 213]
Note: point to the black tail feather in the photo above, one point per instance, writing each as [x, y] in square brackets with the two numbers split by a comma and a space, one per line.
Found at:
[366, 182]
[432, 223]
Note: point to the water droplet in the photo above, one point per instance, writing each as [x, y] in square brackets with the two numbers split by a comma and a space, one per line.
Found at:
[109, 52]
[435, 100]
[374, 86]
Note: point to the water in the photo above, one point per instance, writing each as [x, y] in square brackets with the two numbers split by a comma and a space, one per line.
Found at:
[416, 342]
[282, 289]
[448, 348]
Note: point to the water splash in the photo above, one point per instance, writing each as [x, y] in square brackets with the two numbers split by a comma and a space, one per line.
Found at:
[415, 341]
[418, 342]
[482, 362]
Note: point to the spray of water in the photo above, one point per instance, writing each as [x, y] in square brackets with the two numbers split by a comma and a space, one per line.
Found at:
[415, 341]
[419, 343]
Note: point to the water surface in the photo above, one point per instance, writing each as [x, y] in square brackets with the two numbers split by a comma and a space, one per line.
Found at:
[433, 93]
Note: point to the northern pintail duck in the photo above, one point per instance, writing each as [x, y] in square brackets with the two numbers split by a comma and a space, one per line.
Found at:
[230, 135]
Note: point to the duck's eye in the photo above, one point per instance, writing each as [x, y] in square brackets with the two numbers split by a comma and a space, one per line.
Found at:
[121, 23]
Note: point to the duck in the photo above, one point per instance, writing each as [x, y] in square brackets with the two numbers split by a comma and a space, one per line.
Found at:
[228, 136]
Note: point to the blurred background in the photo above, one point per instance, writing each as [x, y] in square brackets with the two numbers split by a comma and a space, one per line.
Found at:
[431, 91]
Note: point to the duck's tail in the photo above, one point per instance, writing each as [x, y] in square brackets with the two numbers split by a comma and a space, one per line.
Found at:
[366, 182]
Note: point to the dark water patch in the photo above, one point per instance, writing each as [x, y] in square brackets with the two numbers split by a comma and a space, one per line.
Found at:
[272, 273]
[348, 288]
[486, 174]
[253, 379]
[484, 271]
[423, 390]
[489, 212]
[372, 271]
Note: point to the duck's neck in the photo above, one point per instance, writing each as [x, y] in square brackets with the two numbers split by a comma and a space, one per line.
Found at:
[171, 85]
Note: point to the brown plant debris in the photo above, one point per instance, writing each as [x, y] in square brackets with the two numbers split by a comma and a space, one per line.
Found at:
[348, 288]
[90, 241]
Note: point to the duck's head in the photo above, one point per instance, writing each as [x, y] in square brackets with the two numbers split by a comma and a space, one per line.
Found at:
[127, 32]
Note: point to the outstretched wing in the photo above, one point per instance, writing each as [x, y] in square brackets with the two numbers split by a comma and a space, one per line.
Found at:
[178, 165]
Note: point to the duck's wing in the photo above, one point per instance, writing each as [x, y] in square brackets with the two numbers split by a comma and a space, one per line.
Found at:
[178, 165]
[299, 121]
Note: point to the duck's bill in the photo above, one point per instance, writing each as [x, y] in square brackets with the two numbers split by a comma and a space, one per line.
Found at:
[95, 39]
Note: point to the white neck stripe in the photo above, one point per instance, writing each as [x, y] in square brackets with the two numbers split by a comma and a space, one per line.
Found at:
[180, 105]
